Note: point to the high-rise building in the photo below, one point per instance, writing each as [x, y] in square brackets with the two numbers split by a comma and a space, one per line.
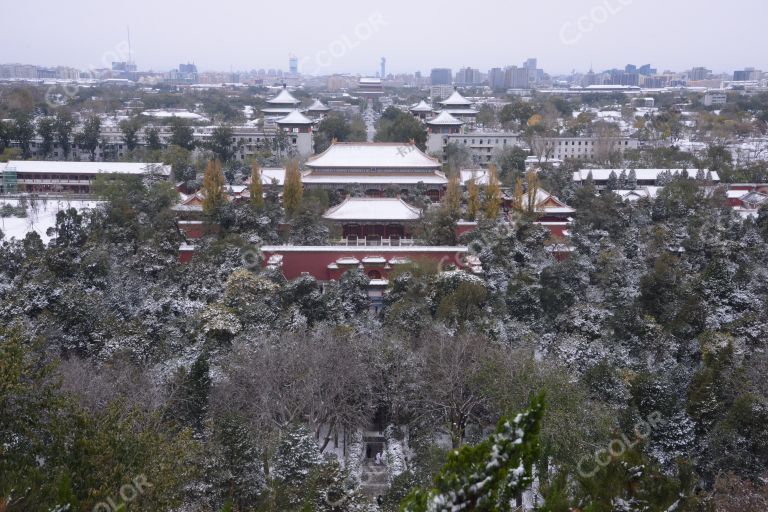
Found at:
[530, 64]
[383, 67]
[124, 66]
[468, 76]
[293, 65]
[589, 79]
[441, 76]
[517, 78]
[747, 74]
[496, 79]
[698, 73]
[645, 69]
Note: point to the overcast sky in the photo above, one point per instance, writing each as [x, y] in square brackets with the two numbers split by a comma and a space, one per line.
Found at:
[352, 36]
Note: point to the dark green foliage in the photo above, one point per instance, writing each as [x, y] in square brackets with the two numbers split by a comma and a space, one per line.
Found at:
[490, 475]
[397, 126]
[181, 134]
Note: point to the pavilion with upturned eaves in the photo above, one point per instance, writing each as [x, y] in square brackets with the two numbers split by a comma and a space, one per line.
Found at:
[281, 105]
[459, 107]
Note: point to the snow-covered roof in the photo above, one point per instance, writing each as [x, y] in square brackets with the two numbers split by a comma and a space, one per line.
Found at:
[421, 106]
[432, 178]
[277, 173]
[295, 117]
[56, 167]
[370, 80]
[372, 155]
[755, 197]
[377, 249]
[479, 176]
[638, 193]
[284, 98]
[318, 106]
[445, 118]
[179, 113]
[555, 209]
[456, 100]
[347, 260]
[187, 208]
[641, 174]
[374, 259]
[373, 209]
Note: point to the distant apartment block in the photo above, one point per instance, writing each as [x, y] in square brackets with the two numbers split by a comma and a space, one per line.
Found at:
[698, 73]
[482, 146]
[748, 74]
[581, 148]
[440, 92]
[517, 78]
[469, 76]
[715, 98]
[441, 76]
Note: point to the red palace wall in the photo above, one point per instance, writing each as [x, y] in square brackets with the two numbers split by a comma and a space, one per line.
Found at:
[186, 256]
[465, 228]
[315, 261]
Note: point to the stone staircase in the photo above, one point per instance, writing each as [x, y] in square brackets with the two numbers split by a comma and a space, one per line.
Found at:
[375, 479]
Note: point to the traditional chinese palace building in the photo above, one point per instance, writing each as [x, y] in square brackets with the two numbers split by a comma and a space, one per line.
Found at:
[459, 107]
[281, 105]
[377, 221]
[73, 177]
[375, 168]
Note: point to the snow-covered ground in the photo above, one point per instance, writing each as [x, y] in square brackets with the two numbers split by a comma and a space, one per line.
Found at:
[41, 215]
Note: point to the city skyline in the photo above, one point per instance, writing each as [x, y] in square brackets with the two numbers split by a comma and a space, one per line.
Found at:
[604, 34]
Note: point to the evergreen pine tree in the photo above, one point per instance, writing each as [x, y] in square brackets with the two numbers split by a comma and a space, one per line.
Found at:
[212, 188]
[296, 455]
[487, 476]
[622, 182]
[236, 467]
[632, 180]
[256, 189]
[196, 386]
[613, 181]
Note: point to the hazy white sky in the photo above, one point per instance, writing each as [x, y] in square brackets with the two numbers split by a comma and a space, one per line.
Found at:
[351, 36]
